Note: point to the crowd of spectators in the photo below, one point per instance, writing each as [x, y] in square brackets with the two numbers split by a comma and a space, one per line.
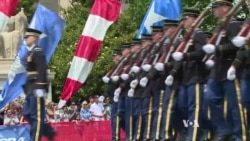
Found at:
[95, 108]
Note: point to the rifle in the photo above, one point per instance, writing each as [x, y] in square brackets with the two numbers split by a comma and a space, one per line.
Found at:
[121, 68]
[189, 36]
[167, 51]
[130, 63]
[114, 68]
[153, 54]
[215, 39]
[139, 62]
[244, 32]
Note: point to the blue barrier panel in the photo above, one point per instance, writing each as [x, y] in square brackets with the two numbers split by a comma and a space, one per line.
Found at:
[15, 133]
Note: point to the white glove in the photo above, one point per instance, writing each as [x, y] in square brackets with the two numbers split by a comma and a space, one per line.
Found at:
[178, 56]
[131, 92]
[135, 69]
[159, 66]
[208, 48]
[124, 76]
[117, 91]
[209, 63]
[169, 80]
[144, 81]
[105, 79]
[231, 73]
[146, 67]
[239, 41]
[116, 98]
[39, 92]
[115, 78]
[134, 83]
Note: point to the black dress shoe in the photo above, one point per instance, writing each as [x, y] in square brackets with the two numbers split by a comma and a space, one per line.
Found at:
[52, 136]
[222, 138]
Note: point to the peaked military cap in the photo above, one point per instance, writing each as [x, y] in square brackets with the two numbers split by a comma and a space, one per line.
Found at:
[157, 29]
[168, 22]
[218, 3]
[32, 32]
[125, 45]
[135, 41]
[116, 52]
[190, 13]
[208, 34]
[145, 37]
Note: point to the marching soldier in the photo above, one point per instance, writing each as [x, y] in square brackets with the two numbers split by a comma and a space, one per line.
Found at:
[219, 86]
[35, 88]
[193, 77]
[146, 42]
[111, 86]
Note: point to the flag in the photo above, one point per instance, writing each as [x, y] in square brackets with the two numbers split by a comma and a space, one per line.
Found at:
[7, 8]
[103, 13]
[157, 11]
[51, 25]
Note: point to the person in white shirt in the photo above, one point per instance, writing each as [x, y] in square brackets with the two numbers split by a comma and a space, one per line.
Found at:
[97, 110]
[10, 118]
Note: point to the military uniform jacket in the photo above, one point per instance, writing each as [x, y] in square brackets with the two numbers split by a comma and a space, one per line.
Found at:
[242, 62]
[193, 69]
[36, 71]
[225, 52]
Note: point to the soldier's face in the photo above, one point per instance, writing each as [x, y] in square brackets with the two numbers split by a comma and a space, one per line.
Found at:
[170, 31]
[221, 11]
[31, 40]
[188, 22]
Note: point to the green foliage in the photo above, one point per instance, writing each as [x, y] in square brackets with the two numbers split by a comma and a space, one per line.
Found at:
[29, 7]
[121, 31]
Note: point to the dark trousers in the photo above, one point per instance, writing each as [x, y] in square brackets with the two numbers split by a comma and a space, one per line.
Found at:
[115, 122]
[137, 110]
[34, 112]
[168, 114]
[189, 103]
[217, 90]
[146, 117]
[155, 113]
[128, 118]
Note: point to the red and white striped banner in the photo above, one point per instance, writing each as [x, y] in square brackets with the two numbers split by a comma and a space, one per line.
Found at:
[7, 8]
[102, 15]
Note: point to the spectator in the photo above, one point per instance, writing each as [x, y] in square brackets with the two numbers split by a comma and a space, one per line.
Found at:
[65, 116]
[73, 112]
[10, 118]
[101, 99]
[50, 111]
[107, 107]
[97, 110]
[91, 100]
[85, 113]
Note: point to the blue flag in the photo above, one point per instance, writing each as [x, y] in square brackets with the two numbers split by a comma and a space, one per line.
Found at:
[52, 27]
[157, 11]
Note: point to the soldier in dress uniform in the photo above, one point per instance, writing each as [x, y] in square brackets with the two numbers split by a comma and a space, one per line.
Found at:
[111, 86]
[239, 71]
[218, 85]
[193, 77]
[35, 88]
[146, 41]
[120, 97]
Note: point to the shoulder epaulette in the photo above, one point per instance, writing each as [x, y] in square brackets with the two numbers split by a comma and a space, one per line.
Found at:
[36, 49]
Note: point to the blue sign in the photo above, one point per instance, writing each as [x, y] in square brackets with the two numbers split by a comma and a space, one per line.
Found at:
[15, 133]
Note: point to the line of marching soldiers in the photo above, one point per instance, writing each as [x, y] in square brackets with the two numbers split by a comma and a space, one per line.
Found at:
[191, 87]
